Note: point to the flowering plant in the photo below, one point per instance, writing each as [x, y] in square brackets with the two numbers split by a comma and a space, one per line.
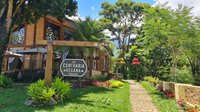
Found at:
[181, 103]
[97, 83]
[135, 61]
[169, 93]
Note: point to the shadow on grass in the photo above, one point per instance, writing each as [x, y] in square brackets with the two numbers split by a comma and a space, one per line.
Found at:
[160, 94]
[12, 99]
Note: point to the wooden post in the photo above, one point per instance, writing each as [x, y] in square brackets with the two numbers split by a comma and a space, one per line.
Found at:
[49, 64]
[90, 66]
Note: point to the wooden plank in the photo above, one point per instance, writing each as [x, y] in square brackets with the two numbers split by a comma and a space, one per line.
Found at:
[70, 43]
[40, 32]
[49, 64]
[70, 25]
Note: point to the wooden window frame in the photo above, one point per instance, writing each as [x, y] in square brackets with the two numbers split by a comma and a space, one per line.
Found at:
[48, 20]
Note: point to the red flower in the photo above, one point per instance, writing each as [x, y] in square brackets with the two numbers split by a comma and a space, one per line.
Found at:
[192, 110]
[135, 61]
[170, 95]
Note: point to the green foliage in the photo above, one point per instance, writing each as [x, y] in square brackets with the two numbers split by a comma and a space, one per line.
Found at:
[62, 88]
[159, 62]
[166, 27]
[32, 10]
[5, 81]
[115, 83]
[58, 90]
[82, 100]
[152, 80]
[47, 93]
[184, 75]
[119, 19]
[100, 78]
[87, 30]
[39, 91]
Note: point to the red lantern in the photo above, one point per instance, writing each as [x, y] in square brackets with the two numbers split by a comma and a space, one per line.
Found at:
[135, 61]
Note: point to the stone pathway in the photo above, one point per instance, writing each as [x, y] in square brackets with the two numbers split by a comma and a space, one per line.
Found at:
[140, 100]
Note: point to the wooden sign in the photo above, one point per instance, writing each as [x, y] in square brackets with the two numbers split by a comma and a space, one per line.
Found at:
[73, 67]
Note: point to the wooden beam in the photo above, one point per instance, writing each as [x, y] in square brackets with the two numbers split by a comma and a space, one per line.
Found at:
[49, 64]
[70, 43]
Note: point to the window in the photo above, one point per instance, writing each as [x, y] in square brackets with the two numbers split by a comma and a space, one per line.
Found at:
[52, 32]
[17, 37]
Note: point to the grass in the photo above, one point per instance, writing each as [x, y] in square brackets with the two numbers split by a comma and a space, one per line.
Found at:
[89, 99]
[163, 103]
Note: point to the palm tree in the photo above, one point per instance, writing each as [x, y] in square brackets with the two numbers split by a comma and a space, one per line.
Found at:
[89, 30]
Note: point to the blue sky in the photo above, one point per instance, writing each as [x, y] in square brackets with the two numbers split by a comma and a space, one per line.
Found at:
[92, 7]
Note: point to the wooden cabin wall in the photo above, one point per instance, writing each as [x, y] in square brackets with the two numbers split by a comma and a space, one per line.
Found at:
[40, 30]
[5, 61]
[29, 39]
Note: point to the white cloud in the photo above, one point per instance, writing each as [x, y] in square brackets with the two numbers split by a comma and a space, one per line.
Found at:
[92, 8]
[75, 18]
[108, 33]
[190, 3]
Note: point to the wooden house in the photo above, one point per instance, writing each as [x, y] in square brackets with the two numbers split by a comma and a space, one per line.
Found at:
[30, 37]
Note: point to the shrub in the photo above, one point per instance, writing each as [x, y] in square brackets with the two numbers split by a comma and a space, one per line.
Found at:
[104, 84]
[153, 80]
[115, 83]
[5, 81]
[62, 88]
[39, 91]
[184, 75]
[100, 78]
[42, 94]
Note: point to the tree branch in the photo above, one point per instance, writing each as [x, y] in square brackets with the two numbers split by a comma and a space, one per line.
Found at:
[18, 6]
[9, 15]
[2, 11]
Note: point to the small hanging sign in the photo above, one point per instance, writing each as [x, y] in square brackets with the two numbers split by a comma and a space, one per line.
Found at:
[73, 67]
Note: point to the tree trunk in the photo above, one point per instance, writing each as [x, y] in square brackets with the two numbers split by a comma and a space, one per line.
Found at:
[4, 42]
[5, 26]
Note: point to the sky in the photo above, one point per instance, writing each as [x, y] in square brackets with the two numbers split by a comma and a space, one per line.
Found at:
[92, 7]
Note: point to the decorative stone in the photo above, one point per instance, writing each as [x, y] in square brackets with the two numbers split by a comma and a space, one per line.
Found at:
[52, 102]
[29, 102]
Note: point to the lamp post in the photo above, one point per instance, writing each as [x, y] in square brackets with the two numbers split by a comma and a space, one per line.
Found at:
[136, 61]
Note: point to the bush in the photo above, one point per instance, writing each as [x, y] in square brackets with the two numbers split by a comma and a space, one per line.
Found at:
[98, 83]
[115, 83]
[5, 81]
[184, 75]
[39, 91]
[43, 94]
[62, 88]
[152, 80]
[100, 78]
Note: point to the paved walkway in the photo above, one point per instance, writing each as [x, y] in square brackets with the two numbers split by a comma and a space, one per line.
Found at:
[140, 100]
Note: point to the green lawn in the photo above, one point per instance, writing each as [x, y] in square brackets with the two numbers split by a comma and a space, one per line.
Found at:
[163, 103]
[89, 99]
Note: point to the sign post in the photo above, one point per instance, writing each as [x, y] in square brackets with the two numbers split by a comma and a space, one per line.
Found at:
[73, 67]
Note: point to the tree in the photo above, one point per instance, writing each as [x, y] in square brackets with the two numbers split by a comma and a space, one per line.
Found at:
[168, 28]
[18, 12]
[121, 19]
[192, 52]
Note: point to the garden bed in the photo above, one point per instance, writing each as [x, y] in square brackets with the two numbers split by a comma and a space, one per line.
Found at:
[88, 99]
